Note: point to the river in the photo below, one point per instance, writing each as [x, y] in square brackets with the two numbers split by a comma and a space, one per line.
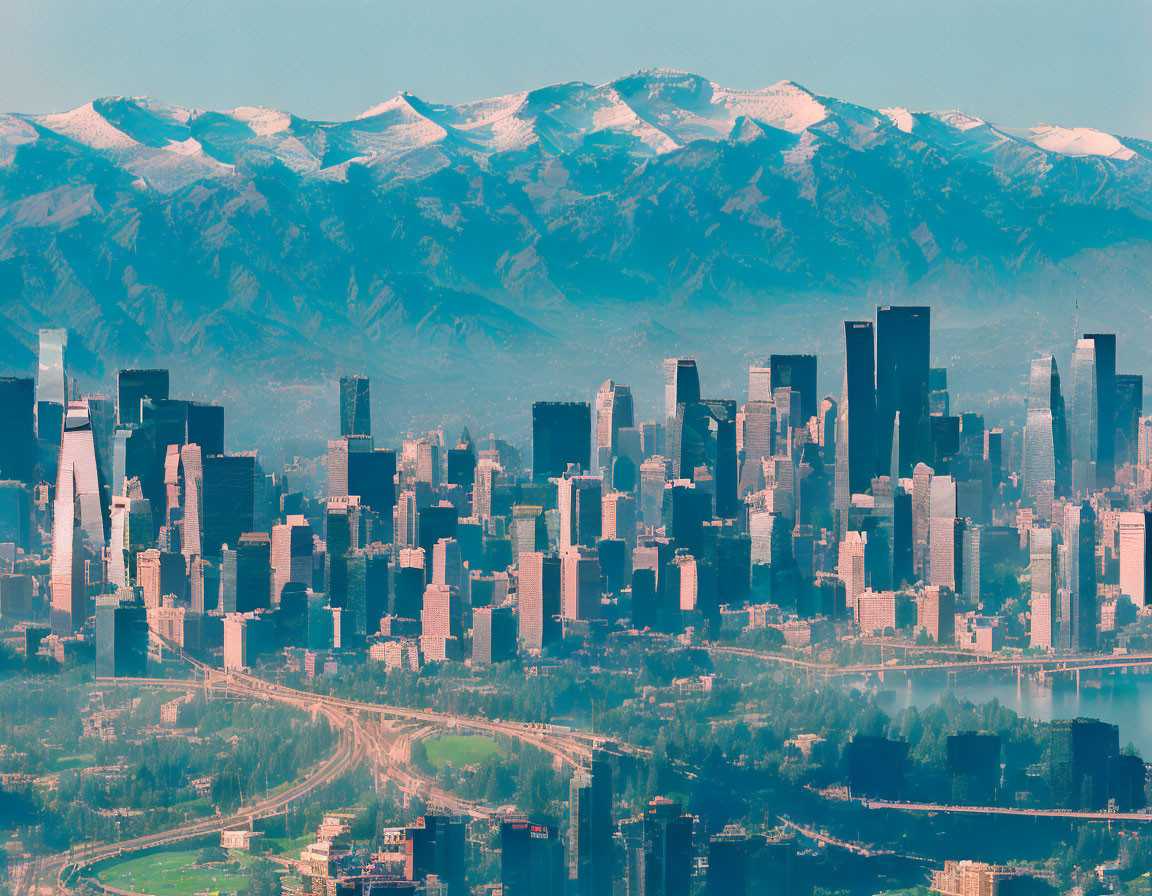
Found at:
[1114, 697]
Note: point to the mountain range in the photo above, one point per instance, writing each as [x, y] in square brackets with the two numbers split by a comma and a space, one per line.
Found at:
[548, 239]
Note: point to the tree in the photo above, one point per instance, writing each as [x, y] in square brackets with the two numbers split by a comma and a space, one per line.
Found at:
[263, 879]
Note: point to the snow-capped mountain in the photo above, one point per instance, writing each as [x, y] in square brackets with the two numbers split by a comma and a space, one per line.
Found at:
[421, 235]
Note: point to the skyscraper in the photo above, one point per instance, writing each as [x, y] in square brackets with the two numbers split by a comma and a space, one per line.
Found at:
[613, 413]
[1135, 556]
[132, 387]
[856, 429]
[493, 635]
[561, 435]
[1045, 437]
[52, 391]
[246, 574]
[759, 383]
[681, 385]
[121, 637]
[1129, 408]
[78, 520]
[580, 583]
[903, 340]
[436, 844]
[539, 600]
[17, 429]
[590, 859]
[578, 500]
[531, 858]
[1082, 429]
[204, 426]
[667, 850]
[798, 373]
[921, 520]
[291, 554]
[1105, 346]
[1042, 551]
[1080, 540]
[702, 443]
[355, 406]
[851, 567]
[227, 500]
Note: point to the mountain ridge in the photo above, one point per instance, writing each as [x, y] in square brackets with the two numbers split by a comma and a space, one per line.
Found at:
[422, 239]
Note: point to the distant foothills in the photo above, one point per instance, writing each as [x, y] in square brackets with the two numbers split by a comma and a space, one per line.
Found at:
[445, 250]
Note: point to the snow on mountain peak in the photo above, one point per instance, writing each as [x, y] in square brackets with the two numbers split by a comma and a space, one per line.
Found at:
[1079, 142]
[86, 125]
[649, 112]
[261, 120]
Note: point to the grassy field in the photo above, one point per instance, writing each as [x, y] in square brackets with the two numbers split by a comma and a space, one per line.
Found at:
[458, 751]
[172, 874]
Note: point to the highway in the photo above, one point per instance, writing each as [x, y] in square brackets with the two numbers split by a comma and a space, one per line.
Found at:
[46, 875]
[975, 662]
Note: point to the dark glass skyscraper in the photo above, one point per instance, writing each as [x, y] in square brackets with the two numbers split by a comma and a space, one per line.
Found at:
[121, 638]
[667, 850]
[246, 574]
[798, 373]
[1129, 408]
[590, 858]
[227, 500]
[681, 385]
[371, 476]
[1105, 406]
[703, 436]
[531, 859]
[856, 429]
[436, 844]
[17, 429]
[561, 435]
[134, 385]
[355, 406]
[205, 427]
[903, 340]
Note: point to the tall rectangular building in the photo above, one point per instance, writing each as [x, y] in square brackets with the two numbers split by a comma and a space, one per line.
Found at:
[355, 406]
[590, 859]
[856, 437]
[580, 583]
[1129, 409]
[539, 600]
[1042, 626]
[17, 429]
[1083, 437]
[681, 385]
[291, 554]
[1135, 557]
[581, 511]
[1080, 539]
[246, 574]
[702, 443]
[1105, 345]
[531, 858]
[227, 500]
[903, 340]
[132, 387]
[204, 426]
[493, 635]
[798, 373]
[561, 435]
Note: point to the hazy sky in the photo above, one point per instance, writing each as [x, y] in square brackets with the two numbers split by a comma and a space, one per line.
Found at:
[1017, 62]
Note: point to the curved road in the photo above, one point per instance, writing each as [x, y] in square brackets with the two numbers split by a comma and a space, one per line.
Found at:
[348, 753]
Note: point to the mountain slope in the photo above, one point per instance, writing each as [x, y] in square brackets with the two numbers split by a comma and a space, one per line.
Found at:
[423, 238]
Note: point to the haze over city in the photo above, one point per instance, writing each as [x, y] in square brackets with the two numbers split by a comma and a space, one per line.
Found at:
[575, 450]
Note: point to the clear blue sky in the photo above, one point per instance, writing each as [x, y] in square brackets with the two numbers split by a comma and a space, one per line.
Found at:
[1012, 61]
